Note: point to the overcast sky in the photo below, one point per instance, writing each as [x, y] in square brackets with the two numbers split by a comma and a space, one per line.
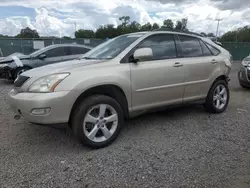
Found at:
[58, 17]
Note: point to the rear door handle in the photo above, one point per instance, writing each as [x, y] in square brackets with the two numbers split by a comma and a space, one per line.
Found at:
[177, 64]
[214, 61]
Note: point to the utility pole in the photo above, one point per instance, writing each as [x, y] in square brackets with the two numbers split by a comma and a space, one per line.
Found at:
[75, 29]
[217, 28]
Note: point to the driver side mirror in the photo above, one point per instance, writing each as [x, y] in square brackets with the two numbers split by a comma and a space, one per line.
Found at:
[143, 54]
[42, 56]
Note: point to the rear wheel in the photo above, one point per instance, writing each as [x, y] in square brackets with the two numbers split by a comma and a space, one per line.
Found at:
[97, 121]
[218, 97]
[20, 71]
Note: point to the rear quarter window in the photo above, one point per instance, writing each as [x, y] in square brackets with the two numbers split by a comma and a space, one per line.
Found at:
[213, 49]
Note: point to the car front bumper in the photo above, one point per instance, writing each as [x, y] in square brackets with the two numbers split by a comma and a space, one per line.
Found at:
[5, 73]
[243, 76]
[58, 106]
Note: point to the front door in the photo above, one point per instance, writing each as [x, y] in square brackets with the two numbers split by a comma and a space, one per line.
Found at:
[159, 81]
[54, 55]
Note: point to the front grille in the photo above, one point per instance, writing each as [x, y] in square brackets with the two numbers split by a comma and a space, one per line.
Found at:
[20, 81]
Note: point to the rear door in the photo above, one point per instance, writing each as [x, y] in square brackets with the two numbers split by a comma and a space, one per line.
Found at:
[199, 65]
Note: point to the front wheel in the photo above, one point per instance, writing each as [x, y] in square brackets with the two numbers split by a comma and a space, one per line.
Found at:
[218, 97]
[97, 121]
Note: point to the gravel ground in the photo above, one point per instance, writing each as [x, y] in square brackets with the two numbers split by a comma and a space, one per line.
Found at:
[183, 147]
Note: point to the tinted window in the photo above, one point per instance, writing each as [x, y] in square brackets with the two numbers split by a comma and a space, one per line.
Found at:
[163, 46]
[78, 50]
[205, 49]
[214, 50]
[190, 46]
[55, 52]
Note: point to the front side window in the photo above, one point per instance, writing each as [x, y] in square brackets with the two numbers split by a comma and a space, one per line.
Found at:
[56, 52]
[190, 46]
[162, 45]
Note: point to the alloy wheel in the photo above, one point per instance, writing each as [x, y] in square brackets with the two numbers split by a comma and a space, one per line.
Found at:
[220, 96]
[100, 122]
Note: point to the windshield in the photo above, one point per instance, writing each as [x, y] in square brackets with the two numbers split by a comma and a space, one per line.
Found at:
[112, 48]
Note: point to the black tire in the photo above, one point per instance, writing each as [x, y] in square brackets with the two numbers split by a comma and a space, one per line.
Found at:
[80, 112]
[20, 70]
[209, 104]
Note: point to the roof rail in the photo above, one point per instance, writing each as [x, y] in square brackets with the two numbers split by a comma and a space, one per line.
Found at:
[179, 31]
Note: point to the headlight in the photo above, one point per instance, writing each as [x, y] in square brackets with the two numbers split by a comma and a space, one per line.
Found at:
[246, 61]
[47, 83]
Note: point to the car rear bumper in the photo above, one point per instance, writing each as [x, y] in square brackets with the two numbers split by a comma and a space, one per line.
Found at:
[57, 106]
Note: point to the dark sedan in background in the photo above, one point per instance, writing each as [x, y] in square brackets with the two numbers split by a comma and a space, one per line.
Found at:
[244, 73]
[13, 65]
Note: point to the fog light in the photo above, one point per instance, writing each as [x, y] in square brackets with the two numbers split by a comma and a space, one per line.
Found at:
[40, 111]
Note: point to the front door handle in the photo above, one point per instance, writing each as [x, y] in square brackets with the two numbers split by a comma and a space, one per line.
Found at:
[177, 64]
[214, 61]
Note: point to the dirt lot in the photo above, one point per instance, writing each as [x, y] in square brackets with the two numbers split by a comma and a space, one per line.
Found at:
[183, 147]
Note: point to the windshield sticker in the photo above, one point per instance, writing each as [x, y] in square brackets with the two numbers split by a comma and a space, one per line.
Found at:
[17, 61]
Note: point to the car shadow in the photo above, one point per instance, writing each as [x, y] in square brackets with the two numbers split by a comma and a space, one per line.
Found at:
[6, 82]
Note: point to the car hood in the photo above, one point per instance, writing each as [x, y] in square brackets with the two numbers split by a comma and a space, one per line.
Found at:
[9, 58]
[59, 67]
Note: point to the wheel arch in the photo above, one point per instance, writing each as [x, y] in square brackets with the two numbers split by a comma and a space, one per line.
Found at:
[109, 90]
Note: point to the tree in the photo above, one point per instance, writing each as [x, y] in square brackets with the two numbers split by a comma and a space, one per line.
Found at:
[239, 35]
[107, 31]
[184, 22]
[181, 25]
[178, 25]
[203, 34]
[28, 33]
[169, 24]
[146, 27]
[66, 37]
[155, 26]
[134, 26]
[125, 20]
[83, 33]
[210, 35]
[4, 36]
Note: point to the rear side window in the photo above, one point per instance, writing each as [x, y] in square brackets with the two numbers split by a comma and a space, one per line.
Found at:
[78, 50]
[56, 52]
[214, 50]
[190, 46]
[163, 46]
[205, 49]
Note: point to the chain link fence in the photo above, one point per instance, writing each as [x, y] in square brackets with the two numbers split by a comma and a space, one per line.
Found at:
[26, 46]
[8, 46]
[239, 50]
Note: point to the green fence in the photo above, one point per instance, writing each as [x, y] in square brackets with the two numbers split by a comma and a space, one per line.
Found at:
[238, 50]
[26, 46]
